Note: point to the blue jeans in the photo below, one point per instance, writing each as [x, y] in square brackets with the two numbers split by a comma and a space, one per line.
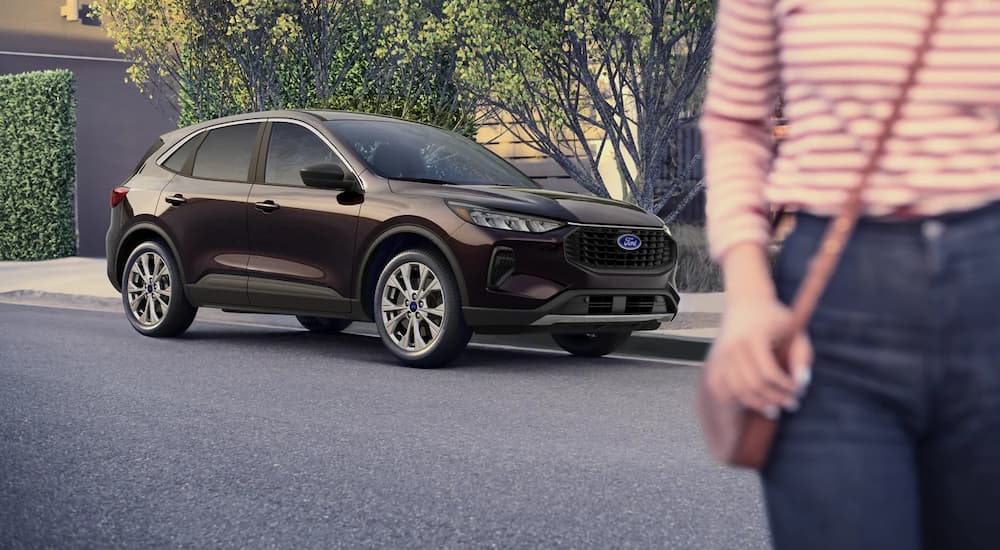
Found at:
[897, 441]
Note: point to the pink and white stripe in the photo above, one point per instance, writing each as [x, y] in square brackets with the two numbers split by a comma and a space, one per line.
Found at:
[839, 64]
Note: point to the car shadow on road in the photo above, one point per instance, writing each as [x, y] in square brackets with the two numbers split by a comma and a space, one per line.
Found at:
[365, 348]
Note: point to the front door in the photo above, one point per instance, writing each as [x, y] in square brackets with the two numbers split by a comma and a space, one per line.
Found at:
[204, 208]
[301, 238]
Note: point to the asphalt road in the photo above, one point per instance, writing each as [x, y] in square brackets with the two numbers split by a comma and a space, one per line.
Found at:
[239, 436]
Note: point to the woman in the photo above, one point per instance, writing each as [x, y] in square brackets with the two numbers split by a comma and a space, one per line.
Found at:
[890, 418]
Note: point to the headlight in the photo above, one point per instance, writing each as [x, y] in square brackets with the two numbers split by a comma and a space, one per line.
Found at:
[495, 219]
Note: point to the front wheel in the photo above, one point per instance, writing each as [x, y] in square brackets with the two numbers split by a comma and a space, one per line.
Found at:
[592, 344]
[152, 292]
[418, 310]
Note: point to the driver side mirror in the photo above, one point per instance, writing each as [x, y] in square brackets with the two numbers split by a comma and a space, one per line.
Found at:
[328, 176]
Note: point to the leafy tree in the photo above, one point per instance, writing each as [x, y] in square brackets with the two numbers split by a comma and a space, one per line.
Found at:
[582, 77]
[210, 58]
[414, 73]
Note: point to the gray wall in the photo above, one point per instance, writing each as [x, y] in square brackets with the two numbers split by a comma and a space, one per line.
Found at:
[115, 123]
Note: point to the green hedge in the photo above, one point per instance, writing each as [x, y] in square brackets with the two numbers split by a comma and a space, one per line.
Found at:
[37, 165]
[696, 272]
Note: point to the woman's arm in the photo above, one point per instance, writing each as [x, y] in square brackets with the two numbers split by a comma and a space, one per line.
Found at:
[736, 123]
[738, 142]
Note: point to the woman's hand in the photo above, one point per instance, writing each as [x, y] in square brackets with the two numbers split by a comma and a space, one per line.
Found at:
[743, 364]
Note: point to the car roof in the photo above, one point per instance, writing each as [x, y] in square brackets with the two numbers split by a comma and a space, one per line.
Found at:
[297, 114]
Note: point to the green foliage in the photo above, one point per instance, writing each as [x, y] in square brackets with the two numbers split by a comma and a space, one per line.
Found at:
[696, 272]
[213, 58]
[582, 79]
[37, 165]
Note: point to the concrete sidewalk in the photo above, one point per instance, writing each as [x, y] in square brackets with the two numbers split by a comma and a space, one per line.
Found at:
[77, 276]
[82, 281]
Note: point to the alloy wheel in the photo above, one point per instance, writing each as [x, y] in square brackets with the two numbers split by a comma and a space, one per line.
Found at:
[149, 289]
[413, 308]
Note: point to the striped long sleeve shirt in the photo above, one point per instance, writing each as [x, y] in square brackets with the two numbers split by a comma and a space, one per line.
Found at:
[839, 64]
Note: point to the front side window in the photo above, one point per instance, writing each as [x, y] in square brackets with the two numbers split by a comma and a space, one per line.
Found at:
[407, 151]
[225, 153]
[292, 148]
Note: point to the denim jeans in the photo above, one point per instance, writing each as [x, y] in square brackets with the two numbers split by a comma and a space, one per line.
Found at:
[897, 440]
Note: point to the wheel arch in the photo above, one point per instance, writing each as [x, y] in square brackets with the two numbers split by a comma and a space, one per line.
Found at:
[393, 241]
[136, 235]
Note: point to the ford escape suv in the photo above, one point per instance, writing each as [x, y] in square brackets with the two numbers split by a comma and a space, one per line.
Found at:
[336, 217]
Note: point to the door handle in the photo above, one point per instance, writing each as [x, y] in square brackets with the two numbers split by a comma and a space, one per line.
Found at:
[266, 206]
[176, 200]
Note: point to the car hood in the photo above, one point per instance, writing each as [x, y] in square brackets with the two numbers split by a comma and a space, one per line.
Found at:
[538, 202]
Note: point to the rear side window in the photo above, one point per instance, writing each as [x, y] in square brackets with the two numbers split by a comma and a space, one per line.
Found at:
[225, 153]
[179, 159]
[293, 148]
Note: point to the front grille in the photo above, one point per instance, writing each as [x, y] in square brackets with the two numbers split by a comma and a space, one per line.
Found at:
[597, 248]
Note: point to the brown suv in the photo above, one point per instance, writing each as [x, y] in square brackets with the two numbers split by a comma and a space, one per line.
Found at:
[335, 217]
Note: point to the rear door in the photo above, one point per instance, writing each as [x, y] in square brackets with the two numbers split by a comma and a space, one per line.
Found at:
[204, 209]
[301, 238]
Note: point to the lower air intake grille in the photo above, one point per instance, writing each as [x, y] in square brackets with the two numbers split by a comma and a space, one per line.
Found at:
[639, 305]
[600, 305]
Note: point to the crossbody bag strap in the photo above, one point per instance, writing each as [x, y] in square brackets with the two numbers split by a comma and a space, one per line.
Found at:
[838, 233]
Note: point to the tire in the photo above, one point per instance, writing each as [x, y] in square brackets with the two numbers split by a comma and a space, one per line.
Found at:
[591, 344]
[323, 325]
[439, 307]
[158, 308]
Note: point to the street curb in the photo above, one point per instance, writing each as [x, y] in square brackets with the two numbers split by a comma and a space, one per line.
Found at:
[641, 344]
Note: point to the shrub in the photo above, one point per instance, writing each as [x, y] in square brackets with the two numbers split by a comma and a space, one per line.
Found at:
[37, 165]
[696, 272]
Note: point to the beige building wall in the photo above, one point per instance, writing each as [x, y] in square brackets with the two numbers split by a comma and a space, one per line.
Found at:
[516, 149]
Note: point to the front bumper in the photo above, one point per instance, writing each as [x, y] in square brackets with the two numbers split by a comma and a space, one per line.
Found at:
[585, 310]
[545, 291]
[556, 319]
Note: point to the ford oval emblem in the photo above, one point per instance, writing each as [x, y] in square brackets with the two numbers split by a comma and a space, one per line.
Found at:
[629, 242]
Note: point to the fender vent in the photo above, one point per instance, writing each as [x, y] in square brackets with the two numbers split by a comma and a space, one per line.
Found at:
[501, 267]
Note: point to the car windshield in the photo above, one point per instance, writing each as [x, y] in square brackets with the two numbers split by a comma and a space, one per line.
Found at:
[407, 151]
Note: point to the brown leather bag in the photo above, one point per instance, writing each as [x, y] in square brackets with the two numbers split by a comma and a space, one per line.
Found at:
[742, 437]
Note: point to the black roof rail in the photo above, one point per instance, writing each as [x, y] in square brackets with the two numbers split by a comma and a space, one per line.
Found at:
[310, 113]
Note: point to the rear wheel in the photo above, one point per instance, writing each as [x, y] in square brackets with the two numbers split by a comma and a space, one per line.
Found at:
[418, 310]
[323, 325]
[152, 293]
[592, 344]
